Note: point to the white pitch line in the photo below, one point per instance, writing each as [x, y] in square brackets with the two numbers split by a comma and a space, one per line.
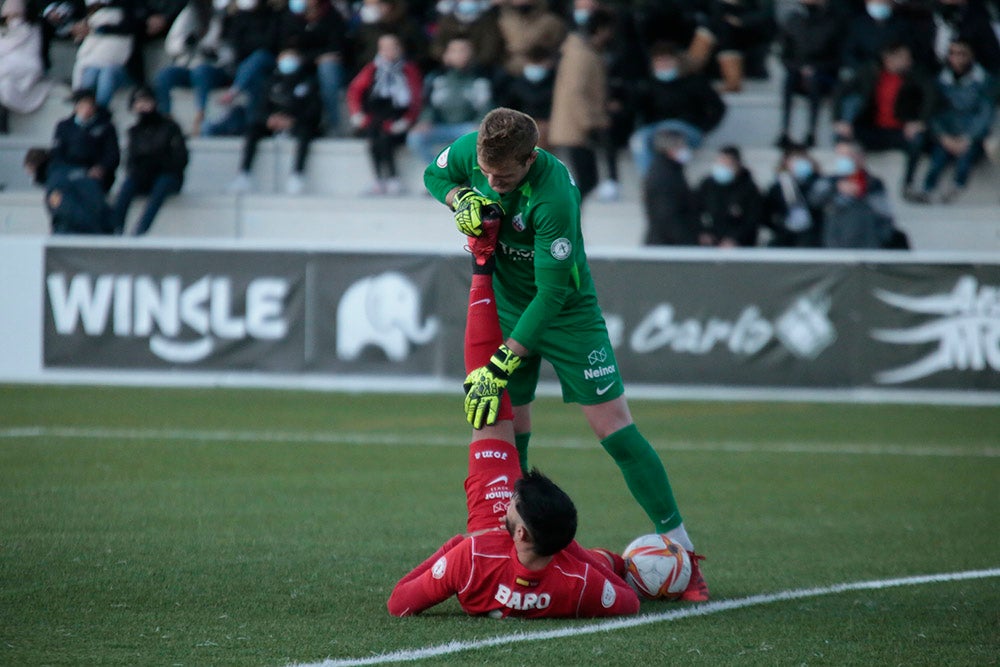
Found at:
[443, 440]
[410, 655]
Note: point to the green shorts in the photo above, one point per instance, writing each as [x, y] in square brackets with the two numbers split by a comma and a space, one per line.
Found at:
[583, 360]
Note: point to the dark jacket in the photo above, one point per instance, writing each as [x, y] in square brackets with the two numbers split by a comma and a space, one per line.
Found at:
[327, 34]
[247, 32]
[812, 37]
[787, 213]
[854, 100]
[530, 97]
[75, 202]
[689, 98]
[965, 104]
[854, 222]
[295, 94]
[732, 210]
[670, 211]
[86, 146]
[865, 38]
[155, 146]
[973, 23]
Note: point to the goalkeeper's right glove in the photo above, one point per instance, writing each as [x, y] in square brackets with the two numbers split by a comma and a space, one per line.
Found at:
[468, 206]
[485, 385]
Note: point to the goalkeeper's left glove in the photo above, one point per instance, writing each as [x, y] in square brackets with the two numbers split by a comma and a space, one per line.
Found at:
[485, 385]
[469, 207]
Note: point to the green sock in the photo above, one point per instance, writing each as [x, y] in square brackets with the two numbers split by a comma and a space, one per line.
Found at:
[645, 476]
[521, 442]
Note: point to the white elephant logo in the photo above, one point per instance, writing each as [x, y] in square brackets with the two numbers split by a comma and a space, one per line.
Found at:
[383, 311]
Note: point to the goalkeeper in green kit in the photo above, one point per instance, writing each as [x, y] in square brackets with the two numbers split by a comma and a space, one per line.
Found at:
[547, 302]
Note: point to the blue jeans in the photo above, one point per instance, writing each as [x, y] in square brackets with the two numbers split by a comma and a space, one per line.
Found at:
[331, 79]
[250, 76]
[163, 186]
[425, 144]
[104, 81]
[963, 164]
[203, 79]
[641, 143]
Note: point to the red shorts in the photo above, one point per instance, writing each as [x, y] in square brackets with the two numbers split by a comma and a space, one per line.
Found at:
[493, 469]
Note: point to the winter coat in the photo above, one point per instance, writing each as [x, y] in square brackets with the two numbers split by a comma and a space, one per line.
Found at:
[249, 31]
[787, 213]
[326, 34]
[580, 98]
[456, 96]
[109, 42]
[295, 94]
[671, 216]
[854, 100]
[484, 33]
[190, 44]
[76, 202]
[865, 38]
[854, 222]
[732, 210]
[689, 98]
[531, 97]
[86, 146]
[155, 146]
[965, 104]
[23, 86]
[813, 38]
[522, 31]
[360, 97]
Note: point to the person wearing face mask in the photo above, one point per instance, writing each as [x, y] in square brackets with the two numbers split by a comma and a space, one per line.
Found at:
[23, 87]
[320, 34]
[107, 40]
[869, 31]
[810, 52]
[87, 140]
[671, 216]
[527, 23]
[579, 102]
[673, 99]
[199, 57]
[741, 29]
[377, 17]
[855, 204]
[476, 20]
[156, 158]
[531, 92]
[730, 207]
[292, 106]
[251, 31]
[787, 213]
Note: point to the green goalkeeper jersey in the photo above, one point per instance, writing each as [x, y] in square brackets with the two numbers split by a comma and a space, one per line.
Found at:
[542, 271]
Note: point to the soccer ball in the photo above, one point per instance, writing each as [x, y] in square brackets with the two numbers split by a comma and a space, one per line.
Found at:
[656, 567]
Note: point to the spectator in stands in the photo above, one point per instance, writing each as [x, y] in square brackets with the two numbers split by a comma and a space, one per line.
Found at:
[855, 204]
[525, 24]
[886, 107]
[155, 161]
[787, 212]
[107, 38]
[378, 17]
[291, 105]
[673, 99]
[87, 140]
[23, 86]
[531, 91]
[251, 31]
[57, 19]
[671, 216]
[455, 99]
[740, 28]
[475, 20]
[970, 20]
[961, 120]
[730, 207]
[319, 32]
[680, 22]
[160, 16]
[580, 99]
[869, 31]
[74, 200]
[810, 52]
[384, 101]
[199, 57]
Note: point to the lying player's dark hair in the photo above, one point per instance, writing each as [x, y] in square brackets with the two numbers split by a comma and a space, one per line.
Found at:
[506, 136]
[548, 513]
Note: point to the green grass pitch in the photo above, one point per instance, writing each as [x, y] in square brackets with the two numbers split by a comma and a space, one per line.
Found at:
[242, 527]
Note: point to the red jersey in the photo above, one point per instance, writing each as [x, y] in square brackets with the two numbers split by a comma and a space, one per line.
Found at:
[484, 572]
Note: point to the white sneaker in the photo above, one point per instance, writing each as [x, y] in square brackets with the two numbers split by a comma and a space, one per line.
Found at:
[376, 189]
[295, 185]
[608, 191]
[242, 184]
[393, 187]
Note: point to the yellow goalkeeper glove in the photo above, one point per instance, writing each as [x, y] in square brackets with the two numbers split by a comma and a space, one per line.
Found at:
[469, 206]
[485, 385]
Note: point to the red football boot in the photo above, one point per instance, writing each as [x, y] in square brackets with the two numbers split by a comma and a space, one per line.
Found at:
[697, 589]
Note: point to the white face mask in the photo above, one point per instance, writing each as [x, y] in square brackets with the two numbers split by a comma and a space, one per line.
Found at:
[878, 11]
[220, 5]
[370, 14]
[246, 5]
[535, 73]
[683, 155]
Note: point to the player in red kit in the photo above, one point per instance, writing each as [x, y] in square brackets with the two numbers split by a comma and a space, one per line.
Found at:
[518, 557]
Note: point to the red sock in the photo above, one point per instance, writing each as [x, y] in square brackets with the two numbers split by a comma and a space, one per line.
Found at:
[482, 332]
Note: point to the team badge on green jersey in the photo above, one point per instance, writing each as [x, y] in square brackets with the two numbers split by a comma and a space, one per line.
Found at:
[561, 248]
